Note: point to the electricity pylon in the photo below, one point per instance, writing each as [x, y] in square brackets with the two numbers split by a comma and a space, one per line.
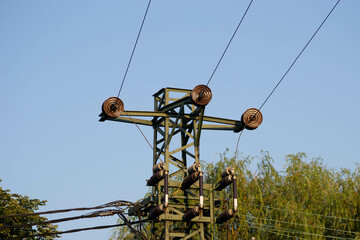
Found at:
[181, 206]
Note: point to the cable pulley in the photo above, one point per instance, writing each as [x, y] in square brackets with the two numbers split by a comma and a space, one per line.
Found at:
[112, 107]
[252, 118]
[201, 95]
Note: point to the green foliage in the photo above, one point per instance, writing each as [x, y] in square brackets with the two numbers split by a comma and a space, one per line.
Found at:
[16, 204]
[124, 233]
[307, 200]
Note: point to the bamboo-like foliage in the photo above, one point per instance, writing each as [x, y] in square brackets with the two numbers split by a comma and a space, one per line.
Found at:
[305, 201]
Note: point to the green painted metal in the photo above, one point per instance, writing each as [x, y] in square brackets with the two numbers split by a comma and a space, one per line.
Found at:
[177, 125]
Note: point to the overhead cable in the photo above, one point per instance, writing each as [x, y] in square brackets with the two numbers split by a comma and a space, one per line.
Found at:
[292, 64]
[148, 142]
[306, 213]
[76, 230]
[102, 213]
[299, 224]
[132, 53]
[232, 37]
[284, 230]
[270, 231]
[138, 234]
[110, 204]
[297, 57]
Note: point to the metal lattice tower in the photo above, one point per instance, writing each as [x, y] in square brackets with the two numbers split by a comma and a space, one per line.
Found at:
[181, 206]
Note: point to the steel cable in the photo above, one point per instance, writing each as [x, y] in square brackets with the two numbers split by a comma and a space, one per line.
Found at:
[148, 142]
[292, 64]
[77, 230]
[288, 70]
[314, 214]
[133, 51]
[102, 213]
[293, 231]
[300, 224]
[110, 204]
[232, 37]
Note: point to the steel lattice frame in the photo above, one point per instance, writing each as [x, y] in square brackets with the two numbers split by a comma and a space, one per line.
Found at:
[175, 116]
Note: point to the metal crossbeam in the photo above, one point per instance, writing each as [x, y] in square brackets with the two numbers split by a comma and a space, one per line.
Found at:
[177, 125]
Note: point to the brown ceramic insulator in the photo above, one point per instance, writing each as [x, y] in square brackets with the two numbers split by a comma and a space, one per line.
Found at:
[157, 177]
[193, 168]
[223, 183]
[190, 214]
[201, 185]
[228, 171]
[225, 216]
[201, 95]
[190, 180]
[166, 182]
[159, 167]
[252, 118]
[156, 212]
[112, 107]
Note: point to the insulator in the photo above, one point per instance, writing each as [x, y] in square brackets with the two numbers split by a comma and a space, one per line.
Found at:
[201, 190]
[193, 168]
[112, 107]
[190, 180]
[226, 181]
[235, 201]
[252, 118]
[201, 95]
[157, 177]
[159, 167]
[228, 171]
[190, 214]
[225, 216]
[166, 188]
[156, 212]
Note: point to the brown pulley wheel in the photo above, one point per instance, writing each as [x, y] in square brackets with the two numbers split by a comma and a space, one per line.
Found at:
[252, 118]
[113, 107]
[201, 95]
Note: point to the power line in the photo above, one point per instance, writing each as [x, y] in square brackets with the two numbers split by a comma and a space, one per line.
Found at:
[148, 142]
[110, 204]
[127, 222]
[297, 232]
[77, 230]
[237, 143]
[268, 230]
[102, 213]
[288, 70]
[292, 64]
[300, 224]
[133, 51]
[314, 214]
[232, 37]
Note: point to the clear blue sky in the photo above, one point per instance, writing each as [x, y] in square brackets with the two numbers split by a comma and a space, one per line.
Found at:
[59, 60]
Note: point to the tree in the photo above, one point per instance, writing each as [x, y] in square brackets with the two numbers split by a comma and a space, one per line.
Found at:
[305, 201]
[11, 204]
